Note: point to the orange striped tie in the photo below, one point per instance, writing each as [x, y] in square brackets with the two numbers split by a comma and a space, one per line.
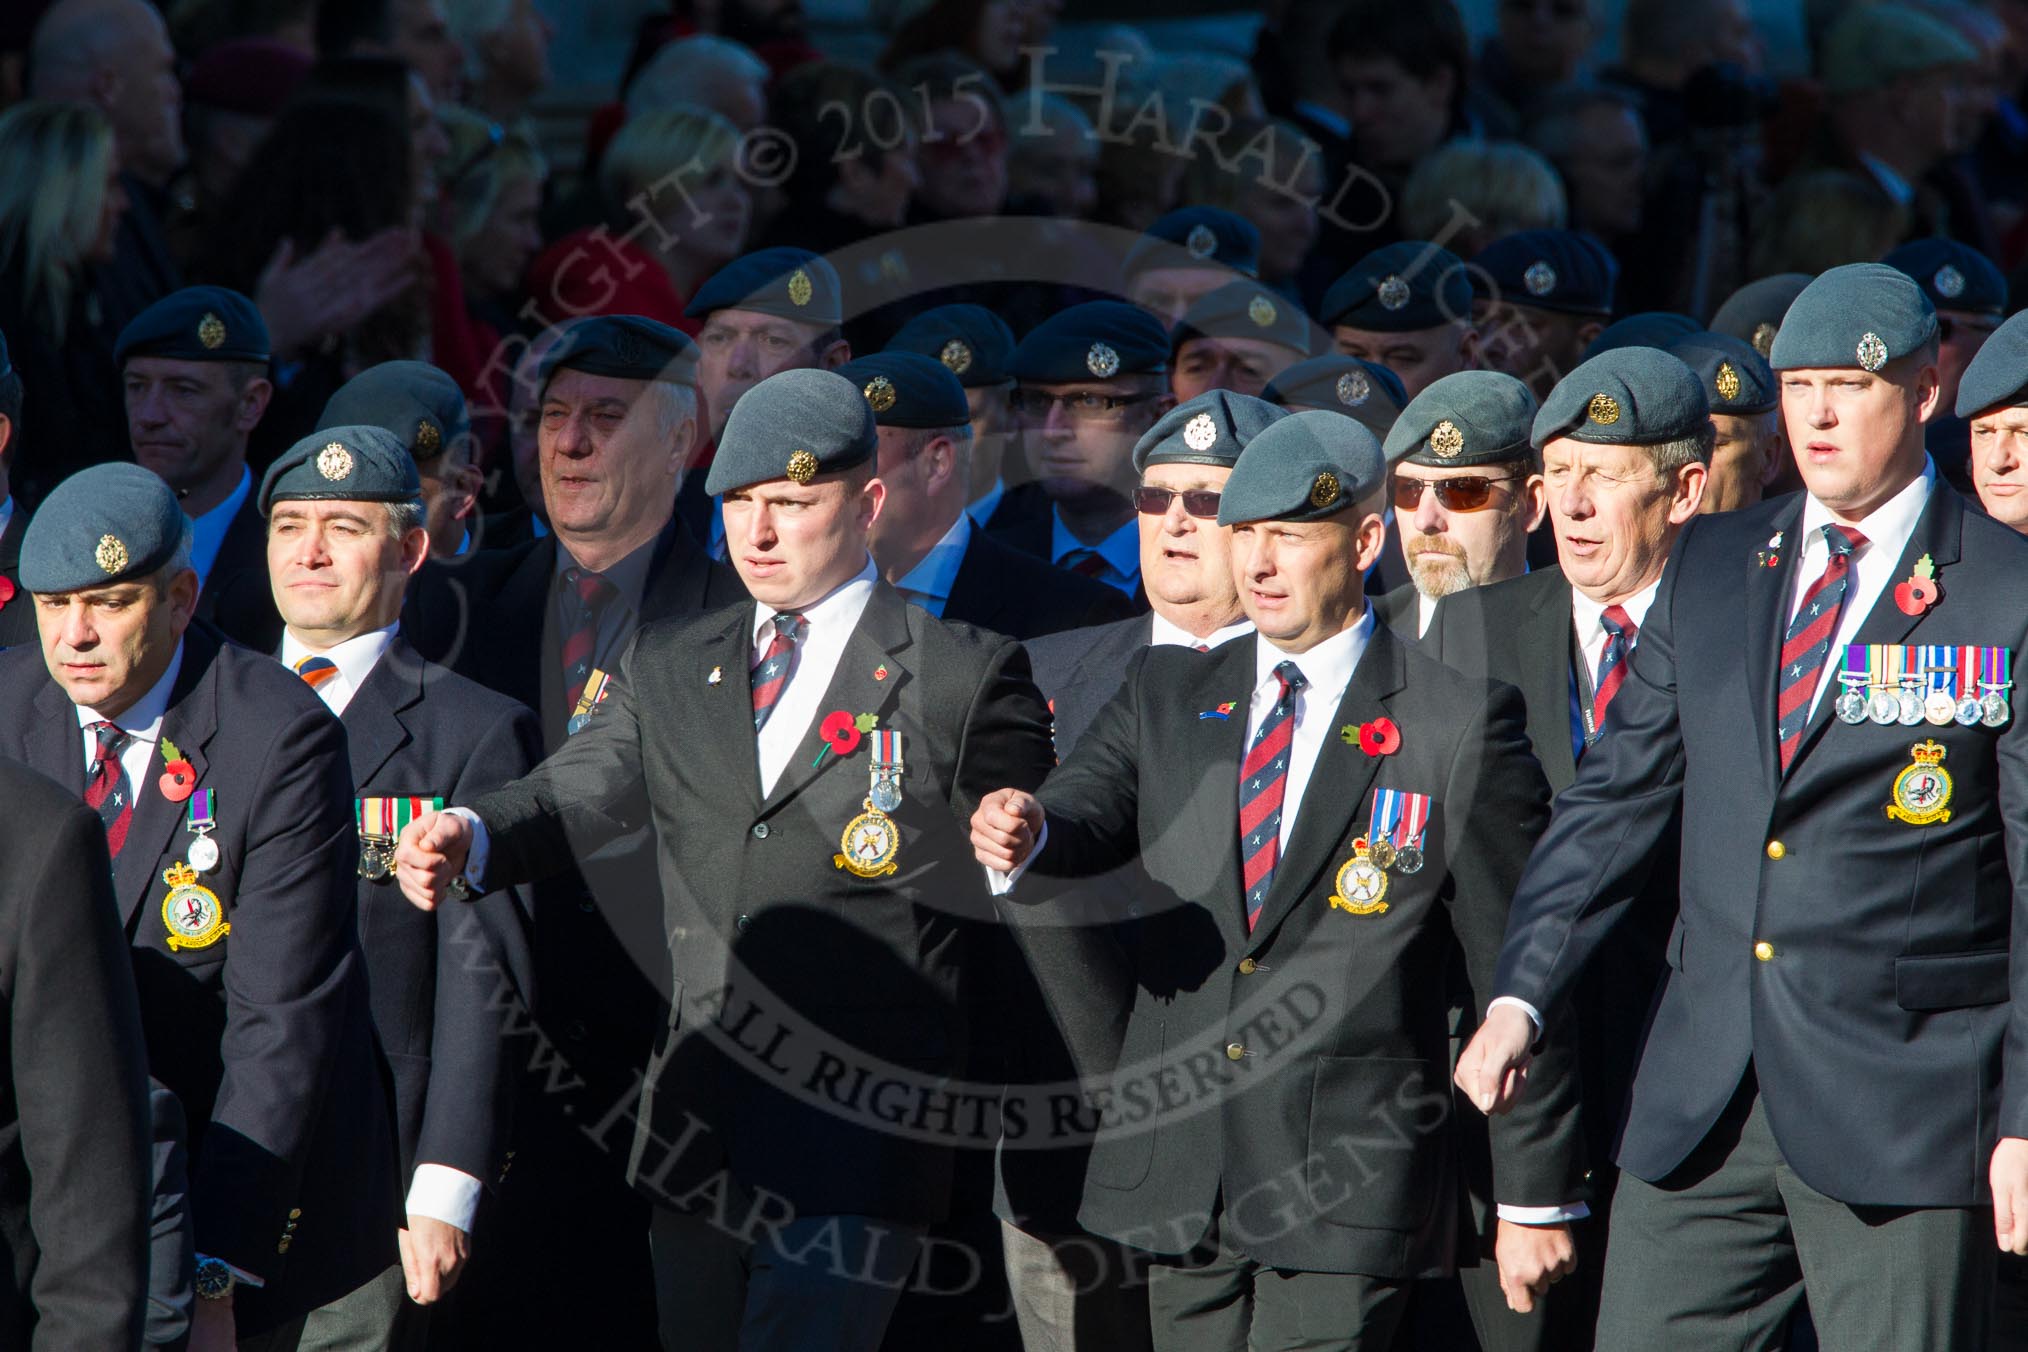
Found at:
[316, 670]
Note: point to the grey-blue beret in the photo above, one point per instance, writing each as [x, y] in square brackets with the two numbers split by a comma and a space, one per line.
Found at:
[102, 524]
[1211, 429]
[198, 323]
[794, 425]
[1861, 315]
[1197, 237]
[1566, 271]
[1306, 467]
[1754, 312]
[421, 405]
[1401, 288]
[355, 463]
[624, 347]
[1630, 396]
[1244, 310]
[971, 341]
[1097, 340]
[907, 389]
[1365, 390]
[1463, 419]
[787, 283]
[1998, 376]
[1954, 276]
[1650, 328]
[1737, 380]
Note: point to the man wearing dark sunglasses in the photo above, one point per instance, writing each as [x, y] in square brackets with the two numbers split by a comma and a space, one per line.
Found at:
[1466, 491]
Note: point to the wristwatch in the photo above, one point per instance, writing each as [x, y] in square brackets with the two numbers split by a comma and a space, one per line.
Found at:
[214, 1279]
[459, 889]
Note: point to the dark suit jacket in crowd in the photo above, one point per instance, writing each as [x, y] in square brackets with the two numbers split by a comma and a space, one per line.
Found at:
[74, 1138]
[1880, 1026]
[1294, 1081]
[811, 973]
[1079, 670]
[237, 597]
[444, 982]
[1400, 610]
[1025, 522]
[1010, 592]
[264, 1033]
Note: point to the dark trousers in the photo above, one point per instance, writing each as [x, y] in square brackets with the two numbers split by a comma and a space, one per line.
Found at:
[1219, 1300]
[1719, 1254]
[1076, 1293]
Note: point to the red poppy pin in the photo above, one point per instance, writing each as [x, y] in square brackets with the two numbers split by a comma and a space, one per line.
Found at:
[179, 777]
[1919, 593]
[841, 731]
[1222, 711]
[6, 591]
[1379, 738]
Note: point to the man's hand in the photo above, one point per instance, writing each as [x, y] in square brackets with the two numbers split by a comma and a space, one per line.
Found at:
[2010, 1194]
[323, 295]
[1005, 828]
[433, 1256]
[431, 852]
[1494, 1069]
[1531, 1259]
[211, 1326]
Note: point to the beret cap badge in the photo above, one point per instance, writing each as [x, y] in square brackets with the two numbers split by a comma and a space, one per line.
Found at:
[1324, 490]
[211, 331]
[1603, 410]
[428, 441]
[334, 462]
[1949, 282]
[1201, 242]
[956, 357]
[1354, 388]
[1540, 279]
[880, 394]
[1726, 382]
[1393, 293]
[1101, 361]
[111, 555]
[800, 289]
[1763, 338]
[1872, 352]
[1445, 439]
[1200, 433]
[1261, 311]
[802, 467]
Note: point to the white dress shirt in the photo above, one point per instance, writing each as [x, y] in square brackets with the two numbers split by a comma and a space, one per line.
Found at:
[929, 583]
[207, 532]
[1327, 670]
[142, 723]
[1587, 619]
[1120, 552]
[356, 658]
[1873, 565]
[1425, 611]
[1167, 633]
[827, 625]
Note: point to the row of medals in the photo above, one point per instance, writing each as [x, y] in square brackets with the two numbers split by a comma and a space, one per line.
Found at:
[1909, 706]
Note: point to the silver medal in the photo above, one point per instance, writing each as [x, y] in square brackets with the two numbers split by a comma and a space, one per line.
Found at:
[1408, 859]
[1909, 711]
[376, 861]
[886, 794]
[1851, 706]
[203, 854]
[1969, 711]
[1883, 707]
[1993, 709]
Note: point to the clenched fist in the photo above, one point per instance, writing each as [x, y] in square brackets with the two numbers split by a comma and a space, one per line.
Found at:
[1005, 829]
[432, 851]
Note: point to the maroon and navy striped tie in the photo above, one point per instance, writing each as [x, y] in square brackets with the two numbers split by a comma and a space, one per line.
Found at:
[1809, 640]
[1612, 663]
[771, 674]
[107, 791]
[593, 594]
[1263, 776]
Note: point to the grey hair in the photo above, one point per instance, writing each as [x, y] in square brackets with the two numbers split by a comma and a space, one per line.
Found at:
[403, 517]
[1694, 449]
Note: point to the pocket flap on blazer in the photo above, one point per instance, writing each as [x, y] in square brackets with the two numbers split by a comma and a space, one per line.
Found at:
[1950, 980]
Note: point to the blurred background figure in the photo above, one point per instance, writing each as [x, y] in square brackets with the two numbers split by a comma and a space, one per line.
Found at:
[492, 183]
[506, 48]
[962, 156]
[1052, 157]
[1470, 193]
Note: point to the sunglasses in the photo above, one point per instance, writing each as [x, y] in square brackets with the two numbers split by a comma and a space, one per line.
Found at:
[1469, 493]
[1200, 502]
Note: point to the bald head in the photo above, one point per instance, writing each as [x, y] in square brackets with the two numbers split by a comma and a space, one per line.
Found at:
[115, 55]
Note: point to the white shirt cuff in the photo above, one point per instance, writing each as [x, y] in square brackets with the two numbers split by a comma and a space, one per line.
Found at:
[1000, 883]
[444, 1194]
[475, 868]
[1534, 1015]
[1523, 1215]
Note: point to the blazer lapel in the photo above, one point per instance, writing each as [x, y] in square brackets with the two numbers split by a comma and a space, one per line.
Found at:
[1937, 533]
[1230, 676]
[677, 576]
[726, 702]
[1338, 783]
[1767, 594]
[55, 742]
[1548, 675]
[191, 722]
[374, 729]
[869, 676]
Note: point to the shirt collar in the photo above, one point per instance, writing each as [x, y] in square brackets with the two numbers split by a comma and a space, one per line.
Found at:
[1585, 613]
[1327, 668]
[988, 502]
[847, 599]
[144, 720]
[356, 656]
[936, 572]
[1889, 178]
[1121, 549]
[222, 515]
[1168, 632]
[6, 514]
[629, 576]
[1888, 526]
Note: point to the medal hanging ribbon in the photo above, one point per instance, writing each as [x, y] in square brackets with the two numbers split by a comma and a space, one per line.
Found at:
[1967, 660]
[1399, 820]
[1855, 668]
[200, 812]
[384, 818]
[1876, 669]
[594, 691]
[1387, 813]
[884, 789]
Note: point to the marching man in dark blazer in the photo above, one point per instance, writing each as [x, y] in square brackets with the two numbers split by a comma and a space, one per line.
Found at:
[1321, 813]
[195, 370]
[1622, 491]
[345, 532]
[926, 544]
[815, 877]
[222, 783]
[74, 1128]
[1832, 1087]
[1186, 559]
